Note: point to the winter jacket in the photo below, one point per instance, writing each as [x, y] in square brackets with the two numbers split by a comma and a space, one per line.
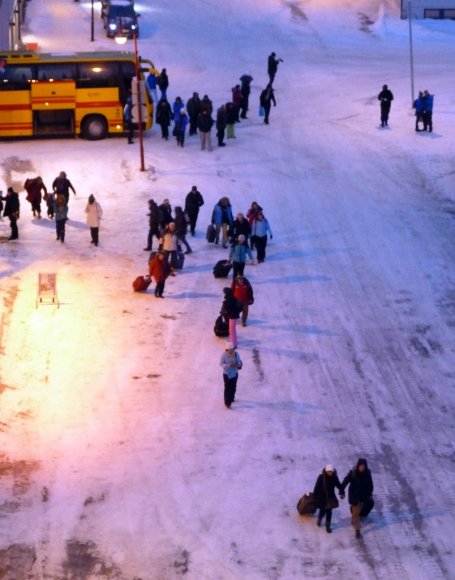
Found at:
[236, 96]
[169, 242]
[222, 214]
[267, 97]
[60, 208]
[176, 107]
[230, 114]
[246, 84]
[163, 113]
[324, 488]
[193, 202]
[159, 269]
[153, 217]
[12, 205]
[34, 187]
[94, 214]
[240, 228]
[230, 307]
[427, 103]
[244, 294]
[193, 105]
[204, 122]
[181, 122]
[386, 98]
[221, 118]
[181, 224]
[63, 185]
[239, 252]
[360, 484]
[163, 80]
[206, 105]
[261, 228]
[231, 363]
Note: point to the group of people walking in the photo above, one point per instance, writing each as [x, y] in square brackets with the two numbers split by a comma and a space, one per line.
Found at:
[359, 482]
[56, 201]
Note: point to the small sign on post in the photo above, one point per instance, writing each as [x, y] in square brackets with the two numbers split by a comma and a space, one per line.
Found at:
[47, 289]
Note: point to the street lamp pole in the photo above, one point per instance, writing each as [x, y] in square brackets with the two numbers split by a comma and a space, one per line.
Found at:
[411, 52]
[93, 21]
[139, 102]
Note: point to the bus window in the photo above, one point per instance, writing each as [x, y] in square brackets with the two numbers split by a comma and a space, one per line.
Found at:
[128, 72]
[98, 75]
[55, 72]
[13, 77]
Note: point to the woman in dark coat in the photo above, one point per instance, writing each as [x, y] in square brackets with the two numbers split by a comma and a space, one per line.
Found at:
[230, 309]
[360, 492]
[154, 224]
[324, 494]
[181, 228]
[163, 117]
[11, 211]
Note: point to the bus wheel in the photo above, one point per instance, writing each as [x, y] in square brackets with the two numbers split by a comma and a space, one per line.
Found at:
[94, 128]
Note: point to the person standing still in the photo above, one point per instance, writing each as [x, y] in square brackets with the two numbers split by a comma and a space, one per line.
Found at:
[61, 215]
[12, 211]
[385, 97]
[231, 363]
[204, 124]
[94, 215]
[128, 117]
[360, 493]
[272, 66]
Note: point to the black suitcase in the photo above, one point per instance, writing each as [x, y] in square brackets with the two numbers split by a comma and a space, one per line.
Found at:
[211, 233]
[222, 268]
[307, 505]
[221, 327]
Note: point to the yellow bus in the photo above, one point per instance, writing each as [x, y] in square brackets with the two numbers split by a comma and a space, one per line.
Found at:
[81, 93]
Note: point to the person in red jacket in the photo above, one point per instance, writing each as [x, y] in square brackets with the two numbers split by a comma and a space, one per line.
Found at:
[35, 189]
[159, 270]
[243, 291]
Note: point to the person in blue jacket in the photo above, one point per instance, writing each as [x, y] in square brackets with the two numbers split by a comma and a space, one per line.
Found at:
[259, 231]
[418, 106]
[176, 107]
[222, 219]
[238, 254]
[427, 113]
[180, 127]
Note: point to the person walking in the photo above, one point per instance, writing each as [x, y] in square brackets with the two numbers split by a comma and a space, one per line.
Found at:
[221, 123]
[324, 494]
[61, 215]
[164, 215]
[193, 108]
[181, 227]
[163, 117]
[240, 226]
[266, 99]
[243, 292]
[177, 106]
[12, 211]
[385, 98]
[238, 254]
[163, 83]
[62, 184]
[259, 231]
[427, 112]
[245, 88]
[230, 311]
[222, 219]
[272, 66]
[360, 492]
[159, 270]
[128, 117]
[154, 225]
[418, 106]
[151, 82]
[35, 189]
[237, 101]
[231, 363]
[94, 215]
[193, 202]
[169, 246]
[204, 124]
[180, 127]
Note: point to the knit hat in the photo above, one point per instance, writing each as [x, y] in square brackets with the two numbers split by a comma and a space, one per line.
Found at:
[230, 346]
[329, 468]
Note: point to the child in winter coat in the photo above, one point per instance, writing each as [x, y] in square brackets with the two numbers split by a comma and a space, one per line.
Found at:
[159, 270]
[243, 292]
[238, 254]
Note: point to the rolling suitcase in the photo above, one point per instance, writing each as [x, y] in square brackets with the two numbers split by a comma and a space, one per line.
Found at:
[211, 234]
[141, 283]
[222, 268]
[307, 505]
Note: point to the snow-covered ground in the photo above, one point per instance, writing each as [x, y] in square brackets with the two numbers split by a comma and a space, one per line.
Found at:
[118, 459]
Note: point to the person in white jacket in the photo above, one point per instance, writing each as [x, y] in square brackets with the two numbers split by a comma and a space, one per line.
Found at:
[94, 215]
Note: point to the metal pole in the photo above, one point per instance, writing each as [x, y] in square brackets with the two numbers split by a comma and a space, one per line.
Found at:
[93, 21]
[411, 52]
[139, 102]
